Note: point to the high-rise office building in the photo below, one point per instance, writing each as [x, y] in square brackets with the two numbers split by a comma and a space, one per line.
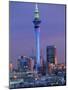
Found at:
[51, 57]
[25, 63]
[51, 54]
[22, 64]
[31, 64]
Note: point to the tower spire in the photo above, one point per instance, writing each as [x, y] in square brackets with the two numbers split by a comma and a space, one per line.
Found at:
[36, 7]
[36, 12]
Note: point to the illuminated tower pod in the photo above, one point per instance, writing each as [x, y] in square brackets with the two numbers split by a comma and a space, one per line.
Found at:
[37, 22]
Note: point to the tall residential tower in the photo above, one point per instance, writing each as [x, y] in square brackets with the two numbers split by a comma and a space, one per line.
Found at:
[37, 22]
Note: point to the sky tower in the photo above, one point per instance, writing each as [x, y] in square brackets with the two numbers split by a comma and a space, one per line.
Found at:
[37, 22]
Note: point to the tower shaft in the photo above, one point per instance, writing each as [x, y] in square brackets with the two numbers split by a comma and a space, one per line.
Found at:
[37, 35]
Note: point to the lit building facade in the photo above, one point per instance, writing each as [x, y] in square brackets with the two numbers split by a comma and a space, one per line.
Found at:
[10, 67]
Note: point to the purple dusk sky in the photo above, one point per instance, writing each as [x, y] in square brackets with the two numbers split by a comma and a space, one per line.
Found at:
[52, 29]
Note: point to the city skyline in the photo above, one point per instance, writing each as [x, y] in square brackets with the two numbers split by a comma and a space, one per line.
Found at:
[52, 29]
